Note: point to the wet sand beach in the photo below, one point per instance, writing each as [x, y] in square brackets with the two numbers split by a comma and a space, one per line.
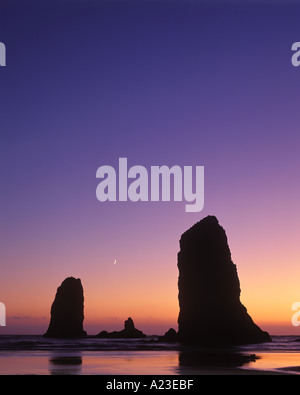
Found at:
[34, 355]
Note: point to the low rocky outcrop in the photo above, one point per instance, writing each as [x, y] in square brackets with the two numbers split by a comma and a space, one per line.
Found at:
[129, 332]
[171, 336]
[67, 311]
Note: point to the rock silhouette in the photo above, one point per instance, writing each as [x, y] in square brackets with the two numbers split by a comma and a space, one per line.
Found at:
[129, 332]
[67, 311]
[171, 336]
[209, 291]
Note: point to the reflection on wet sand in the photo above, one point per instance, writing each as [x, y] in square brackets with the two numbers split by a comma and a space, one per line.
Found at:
[115, 363]
[183, 362]
[152, 362]
[61, 364]
[214, 359]
[280, 362]
[217, 361]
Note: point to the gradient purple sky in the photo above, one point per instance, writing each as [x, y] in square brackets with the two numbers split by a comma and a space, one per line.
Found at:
[161, 83]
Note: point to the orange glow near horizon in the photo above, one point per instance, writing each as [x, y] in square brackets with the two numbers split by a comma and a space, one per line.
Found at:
[143, 285]
[154, 308]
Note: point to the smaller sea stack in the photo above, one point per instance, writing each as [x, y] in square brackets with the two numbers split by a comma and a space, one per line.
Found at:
[67, 311]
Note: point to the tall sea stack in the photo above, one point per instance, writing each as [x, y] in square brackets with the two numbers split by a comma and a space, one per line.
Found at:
[209, 291]
[67, 311]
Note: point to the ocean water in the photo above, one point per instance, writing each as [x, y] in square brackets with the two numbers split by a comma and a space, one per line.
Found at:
[36, 355]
